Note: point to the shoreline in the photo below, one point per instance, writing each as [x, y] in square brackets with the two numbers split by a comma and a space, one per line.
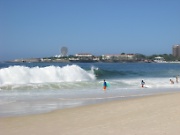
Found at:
[155, 114]
[84, 101]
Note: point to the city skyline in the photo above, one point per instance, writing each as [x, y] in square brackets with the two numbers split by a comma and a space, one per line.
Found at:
[175, 51]
[36, 28]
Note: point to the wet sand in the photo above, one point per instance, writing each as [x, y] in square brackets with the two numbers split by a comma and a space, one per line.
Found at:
[152, 115]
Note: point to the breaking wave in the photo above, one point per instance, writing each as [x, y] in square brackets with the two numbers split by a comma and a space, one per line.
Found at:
[50, 74]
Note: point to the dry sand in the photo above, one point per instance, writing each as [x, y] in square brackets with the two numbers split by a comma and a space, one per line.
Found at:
[153, 115]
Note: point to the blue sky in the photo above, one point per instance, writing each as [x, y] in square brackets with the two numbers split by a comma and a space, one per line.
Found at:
[39, 28]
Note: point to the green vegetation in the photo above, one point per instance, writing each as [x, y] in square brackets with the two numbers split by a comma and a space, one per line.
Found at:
[167, 57]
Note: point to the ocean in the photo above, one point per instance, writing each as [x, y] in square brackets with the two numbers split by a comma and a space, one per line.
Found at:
[32, 88]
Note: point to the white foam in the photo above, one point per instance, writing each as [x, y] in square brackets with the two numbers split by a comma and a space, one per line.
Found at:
[25, 75]
[149, 83]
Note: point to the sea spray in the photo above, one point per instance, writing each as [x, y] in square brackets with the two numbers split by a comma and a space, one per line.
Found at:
[27, 75]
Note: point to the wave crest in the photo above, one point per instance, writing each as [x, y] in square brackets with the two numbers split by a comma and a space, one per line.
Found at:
[26, 75]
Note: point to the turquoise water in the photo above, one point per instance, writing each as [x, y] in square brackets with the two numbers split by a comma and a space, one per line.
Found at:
[30, 88]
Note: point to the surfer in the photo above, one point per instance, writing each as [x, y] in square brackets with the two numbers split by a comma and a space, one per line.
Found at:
[104, 85]
[142, 83]
[171, 81]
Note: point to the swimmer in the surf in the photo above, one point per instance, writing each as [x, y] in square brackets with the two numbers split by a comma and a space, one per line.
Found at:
[177, 79]
[171, 81]
[104, 85]
[142, 83]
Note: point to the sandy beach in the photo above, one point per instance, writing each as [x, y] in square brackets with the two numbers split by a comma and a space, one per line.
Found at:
[152, 115]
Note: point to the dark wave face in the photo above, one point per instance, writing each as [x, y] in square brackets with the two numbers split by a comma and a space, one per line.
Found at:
[137, 70]
[100, 74]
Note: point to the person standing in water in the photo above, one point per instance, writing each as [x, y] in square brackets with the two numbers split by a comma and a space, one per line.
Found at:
[142, 83]
[104, 85]
[177, 79]
[171, 81]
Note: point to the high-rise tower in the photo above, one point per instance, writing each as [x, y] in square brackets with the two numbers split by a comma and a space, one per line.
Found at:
[176, 50]
[64, 51]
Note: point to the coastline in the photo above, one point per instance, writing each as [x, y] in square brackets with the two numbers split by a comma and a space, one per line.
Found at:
[157, 115]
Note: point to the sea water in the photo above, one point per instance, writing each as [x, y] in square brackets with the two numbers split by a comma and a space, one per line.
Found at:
[31, 88]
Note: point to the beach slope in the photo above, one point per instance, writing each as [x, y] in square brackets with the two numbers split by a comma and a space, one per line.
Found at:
[152, 115]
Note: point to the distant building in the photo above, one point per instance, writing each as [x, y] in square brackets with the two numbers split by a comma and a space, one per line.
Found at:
[83, 55]
[119, 57]
[64, 51]
[176, 50]
[159, 59]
